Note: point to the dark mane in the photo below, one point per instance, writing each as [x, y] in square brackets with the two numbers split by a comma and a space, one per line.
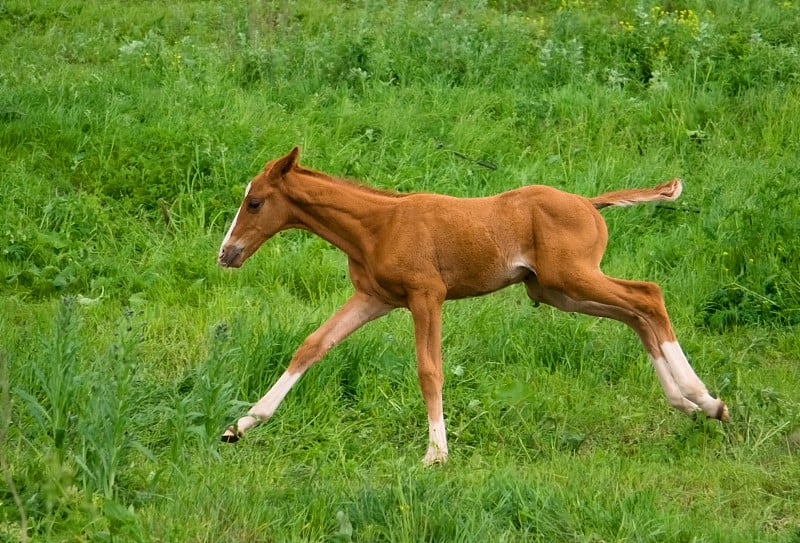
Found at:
[351, 183]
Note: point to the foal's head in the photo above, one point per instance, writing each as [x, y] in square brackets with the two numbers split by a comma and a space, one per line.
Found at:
[263, 212]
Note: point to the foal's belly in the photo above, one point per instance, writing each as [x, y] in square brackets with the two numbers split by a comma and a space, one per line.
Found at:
[486, 281]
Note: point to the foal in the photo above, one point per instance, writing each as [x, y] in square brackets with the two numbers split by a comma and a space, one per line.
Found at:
[418, 250]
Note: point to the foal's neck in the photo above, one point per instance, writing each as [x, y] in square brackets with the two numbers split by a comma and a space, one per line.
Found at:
[343, 213]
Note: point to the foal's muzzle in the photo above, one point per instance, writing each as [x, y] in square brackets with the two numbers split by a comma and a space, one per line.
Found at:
[230, 256]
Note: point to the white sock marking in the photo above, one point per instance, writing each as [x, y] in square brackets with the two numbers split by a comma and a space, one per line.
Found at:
[671, 389]
[679, 365]
[437, 442]
[267, 405]
[689, 383]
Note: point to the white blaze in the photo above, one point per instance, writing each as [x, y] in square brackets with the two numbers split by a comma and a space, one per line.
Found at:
[236, 218]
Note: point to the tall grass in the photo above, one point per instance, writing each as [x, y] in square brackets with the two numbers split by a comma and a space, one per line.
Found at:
[127, 134]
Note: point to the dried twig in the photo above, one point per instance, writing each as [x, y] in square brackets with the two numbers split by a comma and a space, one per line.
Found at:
[165, 213]
[459, 154]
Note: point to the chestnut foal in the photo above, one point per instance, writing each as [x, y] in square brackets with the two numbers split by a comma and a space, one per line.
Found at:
[418, 250]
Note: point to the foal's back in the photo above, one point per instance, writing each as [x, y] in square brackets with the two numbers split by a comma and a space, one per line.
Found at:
[479, 245]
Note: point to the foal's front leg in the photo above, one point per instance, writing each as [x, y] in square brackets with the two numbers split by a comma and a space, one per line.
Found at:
[427, 313]
[358, 310]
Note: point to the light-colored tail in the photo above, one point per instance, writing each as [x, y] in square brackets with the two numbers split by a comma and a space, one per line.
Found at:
[665, 191]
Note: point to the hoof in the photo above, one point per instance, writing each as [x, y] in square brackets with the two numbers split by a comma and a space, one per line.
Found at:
[723, 414]
[230, 436]
[433, 458]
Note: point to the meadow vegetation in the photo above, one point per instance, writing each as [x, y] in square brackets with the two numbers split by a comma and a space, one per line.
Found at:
[128, 131]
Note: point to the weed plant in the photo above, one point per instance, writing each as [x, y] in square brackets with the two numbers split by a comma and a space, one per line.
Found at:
[128, 131]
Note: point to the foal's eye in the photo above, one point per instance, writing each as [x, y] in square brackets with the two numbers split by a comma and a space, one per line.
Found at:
[253, 204]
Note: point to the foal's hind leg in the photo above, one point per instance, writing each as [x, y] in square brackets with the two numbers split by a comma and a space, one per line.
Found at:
[640, 306]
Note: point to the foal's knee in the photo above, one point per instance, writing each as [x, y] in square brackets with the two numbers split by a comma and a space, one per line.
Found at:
[431, 378]
[309, 352]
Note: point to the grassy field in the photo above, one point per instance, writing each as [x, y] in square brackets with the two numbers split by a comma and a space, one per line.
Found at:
[128, 131]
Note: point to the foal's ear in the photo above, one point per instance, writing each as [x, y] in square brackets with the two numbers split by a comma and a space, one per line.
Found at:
[288, 162]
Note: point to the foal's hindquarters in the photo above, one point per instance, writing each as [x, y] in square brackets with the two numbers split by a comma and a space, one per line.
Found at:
[567, 275]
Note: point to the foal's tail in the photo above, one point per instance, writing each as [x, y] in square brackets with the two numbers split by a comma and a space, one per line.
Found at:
[665, 191]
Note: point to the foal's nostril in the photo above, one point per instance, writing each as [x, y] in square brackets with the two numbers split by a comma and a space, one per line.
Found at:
[223, 258]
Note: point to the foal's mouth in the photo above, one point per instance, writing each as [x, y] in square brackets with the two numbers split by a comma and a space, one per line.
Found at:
[230, 256]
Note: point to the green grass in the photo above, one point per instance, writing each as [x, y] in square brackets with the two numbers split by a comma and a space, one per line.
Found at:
[126, 350]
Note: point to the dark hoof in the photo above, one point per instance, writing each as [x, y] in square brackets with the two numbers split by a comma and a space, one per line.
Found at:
[230, 436]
